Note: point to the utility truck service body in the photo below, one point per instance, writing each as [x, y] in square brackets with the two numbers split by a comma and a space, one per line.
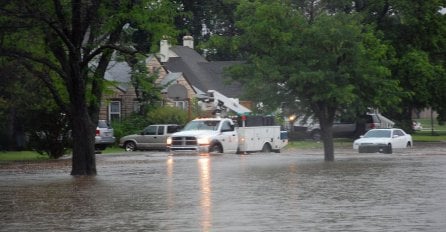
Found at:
[221, 135]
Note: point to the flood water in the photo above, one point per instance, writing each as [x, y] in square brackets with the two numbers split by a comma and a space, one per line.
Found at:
[152, 191]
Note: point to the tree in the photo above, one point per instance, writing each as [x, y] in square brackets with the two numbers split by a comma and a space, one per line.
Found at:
[69, 44]
[204, 20]
[415, 29]
[329, 64]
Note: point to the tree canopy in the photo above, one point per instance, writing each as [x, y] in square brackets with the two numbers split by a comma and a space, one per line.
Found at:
[329, 64]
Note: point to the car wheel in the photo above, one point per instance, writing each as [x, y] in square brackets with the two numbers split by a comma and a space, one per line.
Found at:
[216, 148]
[408, 145]
[130, 146]
[266, 148]
[389, 149]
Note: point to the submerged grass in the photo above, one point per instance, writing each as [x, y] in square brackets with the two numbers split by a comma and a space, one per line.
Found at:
[21, 156]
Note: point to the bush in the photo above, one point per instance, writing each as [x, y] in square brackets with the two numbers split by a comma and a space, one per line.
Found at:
[129, 125]
[136, 123]
[168, 115]
[50, 135]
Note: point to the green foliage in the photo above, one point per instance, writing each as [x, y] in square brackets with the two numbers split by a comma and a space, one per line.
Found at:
[168, 115]
[148, 93]
[51, 135]
[73, 42]
[130, 125]
[137, 122]
[218, 18]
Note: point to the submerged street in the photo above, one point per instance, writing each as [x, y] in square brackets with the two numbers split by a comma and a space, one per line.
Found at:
[290, 191]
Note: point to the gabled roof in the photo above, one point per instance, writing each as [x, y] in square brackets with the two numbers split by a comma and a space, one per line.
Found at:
[120, 73]
[202, 74]
[169, 79]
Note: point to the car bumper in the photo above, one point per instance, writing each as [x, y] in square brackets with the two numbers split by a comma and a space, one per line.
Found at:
[372, 148]
[189, 149]
[105, 141]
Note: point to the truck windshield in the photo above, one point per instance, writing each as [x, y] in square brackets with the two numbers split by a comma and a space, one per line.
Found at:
[202, 125]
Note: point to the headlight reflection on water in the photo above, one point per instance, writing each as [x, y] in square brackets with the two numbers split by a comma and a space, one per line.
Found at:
[206, 190]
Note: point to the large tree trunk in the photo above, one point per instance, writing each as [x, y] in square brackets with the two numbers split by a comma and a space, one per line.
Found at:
[84, 160]
[325, 114]
[327, 139]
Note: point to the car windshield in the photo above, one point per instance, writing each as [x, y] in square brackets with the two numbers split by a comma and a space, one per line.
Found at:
[378, 134]
[202, 125]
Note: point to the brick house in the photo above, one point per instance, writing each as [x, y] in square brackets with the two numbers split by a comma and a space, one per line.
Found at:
[175, 65]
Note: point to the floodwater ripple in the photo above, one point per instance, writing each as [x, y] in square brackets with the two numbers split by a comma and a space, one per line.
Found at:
[152, 191]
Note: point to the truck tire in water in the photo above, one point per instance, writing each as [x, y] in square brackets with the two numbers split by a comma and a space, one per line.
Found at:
[215, 148]
[266, 148]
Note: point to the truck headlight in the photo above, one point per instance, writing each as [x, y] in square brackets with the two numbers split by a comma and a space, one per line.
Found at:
[203, 141]
[169, 141]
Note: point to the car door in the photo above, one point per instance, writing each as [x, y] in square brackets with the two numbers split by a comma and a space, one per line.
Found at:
[229, 137]
[159, 140]
[146, 139]
[399, 141]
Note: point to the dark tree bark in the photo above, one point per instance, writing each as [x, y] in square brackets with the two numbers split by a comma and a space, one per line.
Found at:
[325, 114]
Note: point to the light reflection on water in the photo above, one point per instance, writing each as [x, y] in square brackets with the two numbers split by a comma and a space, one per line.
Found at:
[259, 192]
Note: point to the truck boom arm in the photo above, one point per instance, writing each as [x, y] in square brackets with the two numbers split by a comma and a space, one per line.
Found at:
[215, 100]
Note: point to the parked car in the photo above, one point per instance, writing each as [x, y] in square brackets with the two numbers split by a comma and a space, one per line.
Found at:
[104, 135]
[383, 141]
[152, 137]
[352, 128]
[416, 126]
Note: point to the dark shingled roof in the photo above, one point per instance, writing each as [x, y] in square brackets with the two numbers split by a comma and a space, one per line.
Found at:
[201, 73]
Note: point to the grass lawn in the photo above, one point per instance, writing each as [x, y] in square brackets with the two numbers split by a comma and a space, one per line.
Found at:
[6, 156]
[21, 156]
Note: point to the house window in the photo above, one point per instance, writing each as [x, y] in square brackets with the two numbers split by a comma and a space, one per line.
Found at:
[114, 110]
[181, 104]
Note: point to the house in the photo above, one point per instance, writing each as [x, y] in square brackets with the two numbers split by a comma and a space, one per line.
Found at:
[174, 65]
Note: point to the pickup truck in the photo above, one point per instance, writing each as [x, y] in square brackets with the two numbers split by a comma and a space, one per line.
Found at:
[352, 128]
[153, 137]
[221, 135]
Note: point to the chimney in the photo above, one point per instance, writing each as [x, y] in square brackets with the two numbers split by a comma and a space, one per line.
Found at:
[164, 50]
[188, 41]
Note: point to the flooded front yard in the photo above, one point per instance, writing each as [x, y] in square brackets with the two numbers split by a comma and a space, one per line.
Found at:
[291, 191]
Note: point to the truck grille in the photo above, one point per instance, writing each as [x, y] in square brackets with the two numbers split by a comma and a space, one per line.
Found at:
[184, 141]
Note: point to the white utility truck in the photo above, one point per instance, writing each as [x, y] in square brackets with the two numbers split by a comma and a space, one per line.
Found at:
[243, 134]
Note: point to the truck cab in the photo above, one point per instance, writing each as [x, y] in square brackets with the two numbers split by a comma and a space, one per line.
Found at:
[207, 135]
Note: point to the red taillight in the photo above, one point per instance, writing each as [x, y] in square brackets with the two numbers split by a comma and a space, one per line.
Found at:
[97, 132]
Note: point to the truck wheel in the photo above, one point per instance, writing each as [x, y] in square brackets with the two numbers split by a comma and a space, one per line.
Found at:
[130, 146]
[266, 148]
[215, 148]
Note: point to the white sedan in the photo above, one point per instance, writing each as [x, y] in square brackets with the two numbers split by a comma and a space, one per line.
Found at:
[383, 140]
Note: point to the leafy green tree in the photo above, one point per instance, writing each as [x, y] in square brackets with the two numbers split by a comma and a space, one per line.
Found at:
[69, 44]
[415, 29]
[204, 19]
[328, 65]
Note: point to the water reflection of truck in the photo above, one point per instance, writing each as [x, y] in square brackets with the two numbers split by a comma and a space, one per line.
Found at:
[228, 135]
